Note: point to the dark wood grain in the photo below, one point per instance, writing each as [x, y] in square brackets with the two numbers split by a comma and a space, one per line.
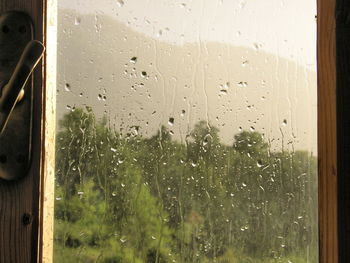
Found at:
[19, 241]
[327, 131]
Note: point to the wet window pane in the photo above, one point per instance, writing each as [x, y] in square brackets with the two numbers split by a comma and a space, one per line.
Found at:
[186, 132]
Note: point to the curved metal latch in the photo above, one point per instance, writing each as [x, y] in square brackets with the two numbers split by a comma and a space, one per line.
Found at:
[19, 54]
[13, 91]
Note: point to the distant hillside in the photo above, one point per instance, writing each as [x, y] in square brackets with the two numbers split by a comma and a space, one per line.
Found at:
[141, 81]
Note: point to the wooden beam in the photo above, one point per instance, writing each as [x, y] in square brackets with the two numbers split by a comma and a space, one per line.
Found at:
[48, 164]
[327, 132]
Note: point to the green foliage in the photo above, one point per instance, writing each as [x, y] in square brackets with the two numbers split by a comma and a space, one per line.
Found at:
[124, 198]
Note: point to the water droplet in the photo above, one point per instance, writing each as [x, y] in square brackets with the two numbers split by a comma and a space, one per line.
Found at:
[245, 63]
[252, 128]
[171, 121]
[133, 60]
[284, 123]
[144, 74]
[114, 194]
[67, 87]
[183, 112]
[122, 185]
[223, 91]
[160, 33]
[242, 84]
[242, 4]
[259, 163]
[77, 21]
[224, 88]
[113, 149]
[69, 107]
[120, 3]
[244, 228]
[257, 46]
[99, 97]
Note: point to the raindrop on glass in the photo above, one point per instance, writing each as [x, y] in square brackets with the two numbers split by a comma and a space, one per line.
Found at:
[242, 84]
[120, 3]
[77, 21]
[245, 63]
[171, 121]
[67, 87]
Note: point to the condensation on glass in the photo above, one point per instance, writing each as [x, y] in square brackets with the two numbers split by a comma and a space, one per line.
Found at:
[186, 132]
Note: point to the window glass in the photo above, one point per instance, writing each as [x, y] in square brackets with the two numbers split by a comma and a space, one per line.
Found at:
[186, 132]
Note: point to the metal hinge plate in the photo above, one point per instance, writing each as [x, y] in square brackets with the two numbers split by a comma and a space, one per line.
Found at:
[16, 31]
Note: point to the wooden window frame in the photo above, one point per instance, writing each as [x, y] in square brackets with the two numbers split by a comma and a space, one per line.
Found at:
[327, 132]
[333, 197]
[34, 194]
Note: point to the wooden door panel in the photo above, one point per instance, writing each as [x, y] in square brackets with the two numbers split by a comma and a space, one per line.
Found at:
[19, 200]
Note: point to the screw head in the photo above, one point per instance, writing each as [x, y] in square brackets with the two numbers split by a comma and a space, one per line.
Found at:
[27, 219]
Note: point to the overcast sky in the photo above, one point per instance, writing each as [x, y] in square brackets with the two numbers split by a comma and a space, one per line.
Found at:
[284, 27]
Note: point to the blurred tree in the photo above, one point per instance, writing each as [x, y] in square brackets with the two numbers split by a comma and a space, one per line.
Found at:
[124, 198]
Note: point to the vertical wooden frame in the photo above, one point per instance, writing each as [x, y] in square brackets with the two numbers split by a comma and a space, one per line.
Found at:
[327, 131]
[48, 164]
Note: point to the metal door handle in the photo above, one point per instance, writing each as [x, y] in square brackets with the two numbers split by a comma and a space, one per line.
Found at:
[19, 54]
[13, 90]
